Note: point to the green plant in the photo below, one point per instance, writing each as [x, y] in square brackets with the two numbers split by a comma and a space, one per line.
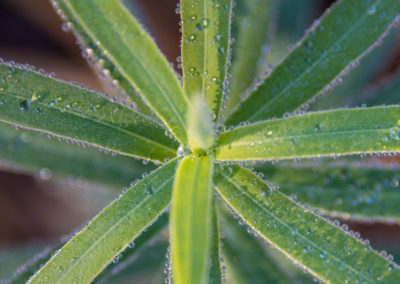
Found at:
[183, 129]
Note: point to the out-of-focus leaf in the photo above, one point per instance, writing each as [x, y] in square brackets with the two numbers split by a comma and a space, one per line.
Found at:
[252, 26]
[346, 190]
[351, 90]
[388, 94]
[34, 152]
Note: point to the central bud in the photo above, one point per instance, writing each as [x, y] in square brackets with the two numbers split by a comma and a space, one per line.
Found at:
[200, 131]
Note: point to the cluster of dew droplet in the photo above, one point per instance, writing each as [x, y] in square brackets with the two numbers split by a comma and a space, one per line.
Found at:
[26, 105]
[44, 255]
[32, 263]
[167, 267]
[200, 25]
[99, 59]
[336, 223]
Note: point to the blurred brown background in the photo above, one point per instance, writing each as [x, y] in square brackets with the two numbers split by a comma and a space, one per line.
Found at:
[32, 209]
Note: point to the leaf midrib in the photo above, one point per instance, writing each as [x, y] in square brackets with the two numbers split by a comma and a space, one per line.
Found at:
[101, 122]
[192, 214]
[205, 51]
[156, 83]
[114, 226]
[309, 69]
[289, 229]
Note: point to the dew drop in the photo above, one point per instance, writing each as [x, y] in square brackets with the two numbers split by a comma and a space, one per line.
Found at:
[317, 127]
[66, 27]
[180, 150]
[192, 38]
[204, 23]
[25, 105]
[150, 189]
[394, 183]
[45, 174]
[372, 10]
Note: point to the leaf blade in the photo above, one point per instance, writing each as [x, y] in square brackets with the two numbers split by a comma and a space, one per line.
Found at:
[34, 101]
[133, 250]
[365, 193]
[326, 133]
[34, 152]
[351, 92]
[205, 48]
[191, 220]
[215, 273]
[322, 248]
[348, 31]
[86, 254]
[136, 55]
[248, 259]
[386, 94]
[252, 19]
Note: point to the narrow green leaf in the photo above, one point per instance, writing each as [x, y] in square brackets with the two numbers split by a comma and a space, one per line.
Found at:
[294, 17]
[134, 249]
[247, 258]
[328, 252]
[252, 26]
[327, 133]
[99, 59]
[386, 94]
[191, 220]
[27, 270]
[34, 152]
[215, 274]
[24, 272]
[126, 44]
[205, 47]
[86, 254]
[344, 189]
[31, 100]
[351, 91]
[147, 267]
[344, 34]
